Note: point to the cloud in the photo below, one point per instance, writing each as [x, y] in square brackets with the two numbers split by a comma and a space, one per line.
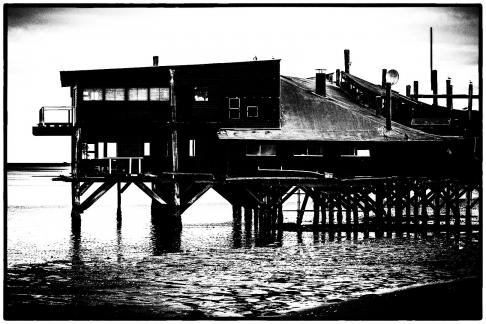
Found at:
[26, 16]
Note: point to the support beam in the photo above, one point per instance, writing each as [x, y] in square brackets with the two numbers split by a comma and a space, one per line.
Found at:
[84, 187]
[301, 211]
[125, 187]
[198, 195]
[149, 192]
[97, 194]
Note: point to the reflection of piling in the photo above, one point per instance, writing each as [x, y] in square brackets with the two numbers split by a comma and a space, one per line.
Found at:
[165, 230]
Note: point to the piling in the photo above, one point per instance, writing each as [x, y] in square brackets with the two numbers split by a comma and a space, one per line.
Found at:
[118, 200]
[346, 61]
[388, 106]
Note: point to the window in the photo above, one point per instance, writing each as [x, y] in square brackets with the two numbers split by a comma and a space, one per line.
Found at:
[308, 150]
[146, 149]
[201, 94]
[101, 149]
[364, 153]
[115, 94]
[353, 152]
[137, 94]
[192, 147]
[92, 94]
[261, 149]
[89, 151]
[252, 111]
[234, 108]
[111, 150]
[159, 94]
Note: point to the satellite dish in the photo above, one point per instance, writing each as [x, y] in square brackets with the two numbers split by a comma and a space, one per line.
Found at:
[392, 77]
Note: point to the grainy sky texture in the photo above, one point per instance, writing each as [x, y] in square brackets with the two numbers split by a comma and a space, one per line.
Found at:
[43, 41]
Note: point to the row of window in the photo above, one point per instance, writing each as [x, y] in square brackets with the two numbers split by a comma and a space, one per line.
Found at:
[134, 94]
[303, 150]
[251, 150]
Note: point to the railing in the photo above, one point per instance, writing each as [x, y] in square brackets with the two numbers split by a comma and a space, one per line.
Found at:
[56, 115]
[113, 165]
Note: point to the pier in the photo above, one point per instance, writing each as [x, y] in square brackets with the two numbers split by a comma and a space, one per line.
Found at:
[368, 158]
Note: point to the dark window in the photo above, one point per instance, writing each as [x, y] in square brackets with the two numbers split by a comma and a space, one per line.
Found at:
[115, 94]
[159, 94]
[234, 108]
[252, 111]
[308, 150]
[261, 149]
[201, 94]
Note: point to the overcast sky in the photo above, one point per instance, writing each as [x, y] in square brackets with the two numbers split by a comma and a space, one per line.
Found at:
[44, 41]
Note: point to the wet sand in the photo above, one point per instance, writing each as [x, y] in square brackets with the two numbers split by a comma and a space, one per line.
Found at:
[453, 300]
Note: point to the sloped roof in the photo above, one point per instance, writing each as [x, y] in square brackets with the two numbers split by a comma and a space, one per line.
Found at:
[307, 116]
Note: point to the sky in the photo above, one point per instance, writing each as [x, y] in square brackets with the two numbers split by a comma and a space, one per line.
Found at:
[42, 41]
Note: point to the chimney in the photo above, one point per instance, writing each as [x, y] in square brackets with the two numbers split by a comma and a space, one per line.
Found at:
[156, 61]
[347, 62]
[321, 82]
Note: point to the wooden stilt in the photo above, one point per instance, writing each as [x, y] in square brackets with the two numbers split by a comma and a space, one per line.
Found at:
[237, 215]
[339, 211]
[76, 155]
[118, 200]
[323, 211]
[379, 211]
[315, 200]
[437, 217]
[331, 211]
[300, 213]
[425, 216]
[248, 216]
[469, 190]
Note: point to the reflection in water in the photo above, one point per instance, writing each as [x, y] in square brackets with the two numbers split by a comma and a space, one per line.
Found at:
[75, 239]
[119, 242]
[164, 236]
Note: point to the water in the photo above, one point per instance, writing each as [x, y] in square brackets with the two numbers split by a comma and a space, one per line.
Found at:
[215, 270]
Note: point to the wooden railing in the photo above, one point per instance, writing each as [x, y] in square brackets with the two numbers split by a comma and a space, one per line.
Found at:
[44, 112]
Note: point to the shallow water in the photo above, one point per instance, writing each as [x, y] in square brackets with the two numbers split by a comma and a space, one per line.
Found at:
[215, 270]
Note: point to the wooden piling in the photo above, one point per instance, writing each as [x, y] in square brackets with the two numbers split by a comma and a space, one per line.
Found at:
[256, 219]
[323, 210]
[379, 211]
[338, 77]
[383, 77]
[248, 216]
[236, 215]
[469, 106]
[388, 106]
[339, 214]
[76, 155]
[468, 207]
[118, 200]
[434, 87]
[315, 200]
[449, 94]
[437, 216]
[415, 90]
[301, 211]
[346, 60]
[407, 90]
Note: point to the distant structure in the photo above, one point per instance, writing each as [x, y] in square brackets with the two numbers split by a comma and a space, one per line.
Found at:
[257, 137]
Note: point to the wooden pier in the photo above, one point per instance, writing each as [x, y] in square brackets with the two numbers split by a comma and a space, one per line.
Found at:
[369, 159]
